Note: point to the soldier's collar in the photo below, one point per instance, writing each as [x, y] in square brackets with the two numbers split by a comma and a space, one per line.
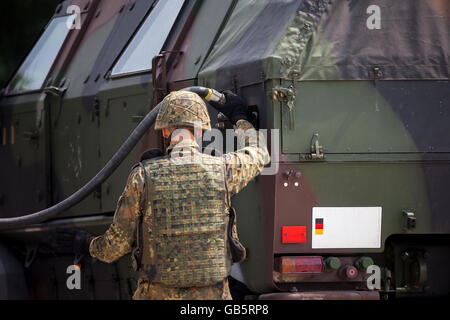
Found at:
[185, 144]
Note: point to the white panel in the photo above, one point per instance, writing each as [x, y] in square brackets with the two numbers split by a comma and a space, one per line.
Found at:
[347, 227]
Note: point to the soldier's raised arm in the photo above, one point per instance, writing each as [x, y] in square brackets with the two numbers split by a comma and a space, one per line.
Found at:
[120, 236]
[252, 155]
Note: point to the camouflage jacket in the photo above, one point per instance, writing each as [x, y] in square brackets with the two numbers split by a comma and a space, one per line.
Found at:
[241, 167]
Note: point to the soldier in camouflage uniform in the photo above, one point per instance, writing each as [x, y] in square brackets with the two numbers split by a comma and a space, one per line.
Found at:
[175, 208]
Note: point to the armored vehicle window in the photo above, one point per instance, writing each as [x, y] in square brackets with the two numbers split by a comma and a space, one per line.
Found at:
[150, 38]
[35, 68]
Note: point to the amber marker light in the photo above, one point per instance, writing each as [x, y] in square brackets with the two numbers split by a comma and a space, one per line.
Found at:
[298, 264]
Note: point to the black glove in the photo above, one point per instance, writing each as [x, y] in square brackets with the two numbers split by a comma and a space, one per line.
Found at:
[77, 241]
[81, 243]
[235, 108]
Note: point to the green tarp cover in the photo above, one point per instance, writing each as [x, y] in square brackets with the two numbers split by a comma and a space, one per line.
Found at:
[333, 40]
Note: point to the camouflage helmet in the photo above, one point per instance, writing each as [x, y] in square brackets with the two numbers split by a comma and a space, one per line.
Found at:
[182, 109]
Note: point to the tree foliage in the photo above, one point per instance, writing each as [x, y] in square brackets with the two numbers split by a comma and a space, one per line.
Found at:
[21, 24]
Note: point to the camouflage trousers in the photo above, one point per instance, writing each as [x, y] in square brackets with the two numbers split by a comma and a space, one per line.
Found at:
[156, 291]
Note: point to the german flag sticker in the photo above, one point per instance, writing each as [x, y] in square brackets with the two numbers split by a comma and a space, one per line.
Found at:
[319, 226]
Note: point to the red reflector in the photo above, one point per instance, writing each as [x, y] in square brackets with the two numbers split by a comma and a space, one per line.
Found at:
[301, 264]
[294, 234]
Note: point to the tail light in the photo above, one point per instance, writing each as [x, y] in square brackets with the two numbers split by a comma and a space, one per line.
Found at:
[350, 272]
[301, 264]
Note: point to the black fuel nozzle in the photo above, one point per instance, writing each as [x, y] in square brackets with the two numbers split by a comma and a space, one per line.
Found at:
[210, 95]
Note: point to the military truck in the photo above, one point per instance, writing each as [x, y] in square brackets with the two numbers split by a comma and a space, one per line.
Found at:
[355, 96]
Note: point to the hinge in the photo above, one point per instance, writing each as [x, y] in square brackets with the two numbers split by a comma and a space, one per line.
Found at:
[409, 220]
[96, 106]
[31, 135]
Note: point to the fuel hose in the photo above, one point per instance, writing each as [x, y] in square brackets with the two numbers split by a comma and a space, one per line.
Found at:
[108, 169]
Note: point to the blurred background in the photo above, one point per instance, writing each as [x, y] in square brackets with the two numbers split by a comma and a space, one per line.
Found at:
[21, 24]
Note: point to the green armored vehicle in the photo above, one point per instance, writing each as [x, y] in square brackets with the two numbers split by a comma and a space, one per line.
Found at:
[354, 97]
